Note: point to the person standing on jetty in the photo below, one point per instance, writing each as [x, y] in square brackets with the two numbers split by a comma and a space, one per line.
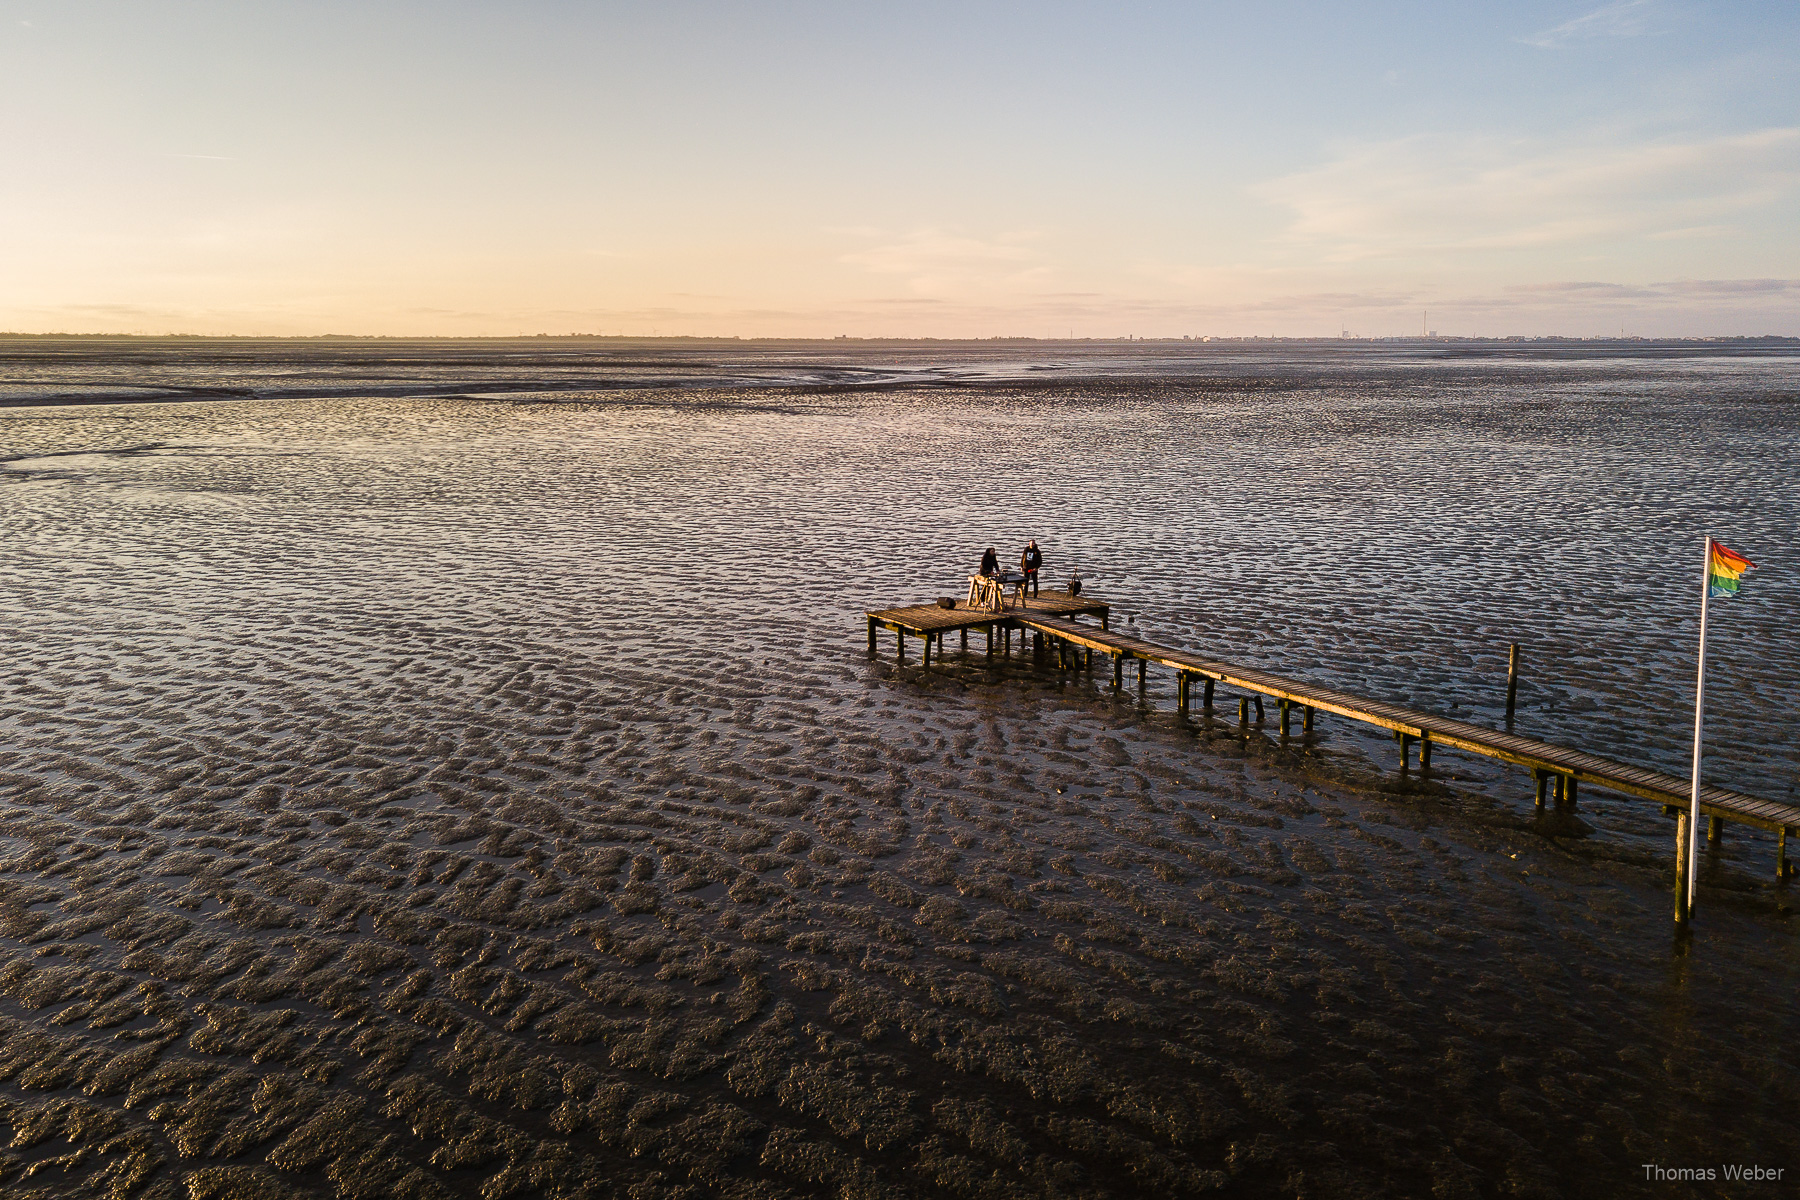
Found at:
[1029, 562]
[990, 563]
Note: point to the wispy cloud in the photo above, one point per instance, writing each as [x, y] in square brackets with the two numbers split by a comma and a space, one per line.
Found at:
[1625, 18]
[1434, 194]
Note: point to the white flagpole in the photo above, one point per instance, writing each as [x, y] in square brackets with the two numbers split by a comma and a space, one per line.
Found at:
[1693, 851]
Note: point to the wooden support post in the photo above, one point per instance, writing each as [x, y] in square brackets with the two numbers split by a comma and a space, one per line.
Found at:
[926, 657]
[1283, 704]
[1715, 831]
[965, 637]
[1512, 678]
[1783, 871]
[1243, 711]
[1543, 784]
[990, 639]
[899, 645]
[1569, 792]
[1087, 658]
[1141, 665]
[1425, 752]
[1257, 700]
[871, 637]
[1181, 692]
[1118, 670]
[1206, 697]
[1405, 749]
[1682, 912]
[1104, 618]
[1306, 722]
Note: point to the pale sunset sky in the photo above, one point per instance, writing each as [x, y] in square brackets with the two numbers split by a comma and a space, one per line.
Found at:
[946, 170]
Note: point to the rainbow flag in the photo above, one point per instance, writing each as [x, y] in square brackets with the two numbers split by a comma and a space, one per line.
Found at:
[1725, 567]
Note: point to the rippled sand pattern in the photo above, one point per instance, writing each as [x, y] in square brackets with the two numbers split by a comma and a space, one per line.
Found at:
[463, 797]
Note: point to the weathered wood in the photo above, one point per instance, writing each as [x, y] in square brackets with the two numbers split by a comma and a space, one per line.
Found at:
[1682, 866]
[1243, 711]
[1715, 830]
[1425, 752]
[1543, 783]
[1207, 696]
[1283, 706]
[1512, 678]
[872, 627]
[1306, 724]
[1118, 670]
[1182, 679]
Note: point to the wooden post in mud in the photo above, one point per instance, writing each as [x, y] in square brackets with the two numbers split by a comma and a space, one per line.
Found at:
[990, 639]
[1182, 679]
[1782, 870]
[871, 637]
[926, 658]
[1306, 722]
[1425, 752]
[1682, 912]
[1206, 696]
[1243, 711]
[1118, 671]
[965, 638]
[1405, 740]
[1542, 779]
[899, 645]
[1569, 792]
[1512, 678]
[1257, 700]
[1141, 665]
[1283, 706]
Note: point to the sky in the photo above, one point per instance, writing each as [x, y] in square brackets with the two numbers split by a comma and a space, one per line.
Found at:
[901, 170]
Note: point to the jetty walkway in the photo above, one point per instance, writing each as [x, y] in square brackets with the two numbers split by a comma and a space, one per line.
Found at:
[1557, 770]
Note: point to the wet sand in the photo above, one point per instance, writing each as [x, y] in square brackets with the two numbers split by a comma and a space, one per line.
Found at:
[463, 796]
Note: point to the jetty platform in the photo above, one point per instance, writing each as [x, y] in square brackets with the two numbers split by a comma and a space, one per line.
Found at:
[1559, 771]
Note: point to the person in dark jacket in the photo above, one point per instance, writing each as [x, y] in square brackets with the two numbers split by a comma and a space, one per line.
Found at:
[990, 562]
[1029, 562]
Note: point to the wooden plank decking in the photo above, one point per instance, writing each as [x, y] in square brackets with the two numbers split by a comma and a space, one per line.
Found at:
[1054, 613]
[1428, 728]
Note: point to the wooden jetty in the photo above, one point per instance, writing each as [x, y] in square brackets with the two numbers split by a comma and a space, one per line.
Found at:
[1559, 772]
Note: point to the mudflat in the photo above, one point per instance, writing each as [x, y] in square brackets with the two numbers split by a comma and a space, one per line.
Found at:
[456, 770]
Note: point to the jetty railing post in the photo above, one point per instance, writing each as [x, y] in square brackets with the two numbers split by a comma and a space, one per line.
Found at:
[1512, 678]
[1683, 912]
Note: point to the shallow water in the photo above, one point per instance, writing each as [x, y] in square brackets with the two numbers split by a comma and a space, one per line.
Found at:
[460, 772]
